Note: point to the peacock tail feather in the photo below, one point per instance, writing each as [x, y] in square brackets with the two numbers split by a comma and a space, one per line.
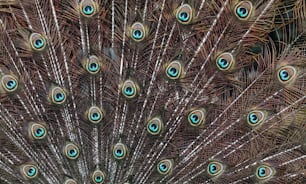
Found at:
[165, 91]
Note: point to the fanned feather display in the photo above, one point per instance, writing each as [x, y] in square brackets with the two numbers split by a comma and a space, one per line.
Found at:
[165, 91]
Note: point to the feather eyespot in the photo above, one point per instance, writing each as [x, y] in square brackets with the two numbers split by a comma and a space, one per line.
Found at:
[184, 14]
[71, 151]
[92, 64]
[28, 171]
[164, 167]
[243, 10]
[215, 168]
[88, 8]
[174, 70]
[38, 42]
[154, 126]
[129, 89]
[225, 61]
[9, 83]
[119, 151]
[197, 117]
[70, 181]
[138, 32]
[95, 114]
[264, 172]
[58, 95]
[286, 74]
[98, 176]
[255, 118]
[37, 131]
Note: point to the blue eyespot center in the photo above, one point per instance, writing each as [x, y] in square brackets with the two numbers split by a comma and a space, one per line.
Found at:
[93, 67]
[253, 118]
[11, 84]
[88, 10]
[98, 179]
[137, 34]
[213, 168]
[59, 97]
[31, 172]
[72, 153]
[38, 43]
[223, 63]
[173, 72]
[39, 132]
[183, 16]
[129, 91]
[119, 153]
[153, 127]
[261, 172]
[242, 12]
[284, 75]
[95, 116]
[194, 119]
[163, 167]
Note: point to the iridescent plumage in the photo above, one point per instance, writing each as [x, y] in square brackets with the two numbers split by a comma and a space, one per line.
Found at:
[139, 91]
